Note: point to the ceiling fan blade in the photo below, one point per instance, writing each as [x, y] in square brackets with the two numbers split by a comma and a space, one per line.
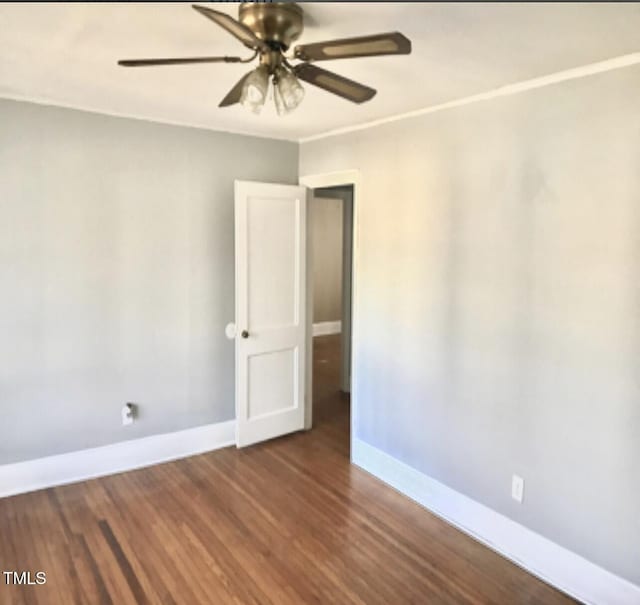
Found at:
[177, 61]
[235, 28]
[392, 43]
[338, 85]
[233, 96]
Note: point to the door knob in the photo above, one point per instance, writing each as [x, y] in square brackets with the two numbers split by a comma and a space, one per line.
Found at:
[230, 331]
[244, 334]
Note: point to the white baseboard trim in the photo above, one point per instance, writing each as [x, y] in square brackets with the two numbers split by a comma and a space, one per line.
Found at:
[31, 475]
[325, 328]
[552, 563]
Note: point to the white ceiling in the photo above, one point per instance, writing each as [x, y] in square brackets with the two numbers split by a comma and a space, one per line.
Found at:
[66, 53]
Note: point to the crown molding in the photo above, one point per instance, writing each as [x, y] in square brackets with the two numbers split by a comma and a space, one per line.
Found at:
[502, 91]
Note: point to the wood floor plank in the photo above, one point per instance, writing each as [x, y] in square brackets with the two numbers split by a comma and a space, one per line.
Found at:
[123, 563]
[286, 522]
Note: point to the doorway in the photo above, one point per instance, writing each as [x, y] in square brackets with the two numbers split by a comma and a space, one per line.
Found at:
[330, 226]
[273, 329]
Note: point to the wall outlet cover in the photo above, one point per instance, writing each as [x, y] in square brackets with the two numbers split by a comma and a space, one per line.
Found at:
[517, 488]
[128, 414]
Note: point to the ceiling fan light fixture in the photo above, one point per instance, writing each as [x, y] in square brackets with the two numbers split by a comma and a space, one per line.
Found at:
[288, 92]
[269, 29]
[254, 91]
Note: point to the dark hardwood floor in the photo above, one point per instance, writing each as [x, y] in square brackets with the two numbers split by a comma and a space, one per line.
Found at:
[289, 521]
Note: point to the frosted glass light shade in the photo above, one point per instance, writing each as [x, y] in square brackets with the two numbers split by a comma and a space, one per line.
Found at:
[254, 91]
[288, 93]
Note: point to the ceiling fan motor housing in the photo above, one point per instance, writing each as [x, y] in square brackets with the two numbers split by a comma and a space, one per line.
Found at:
[277, 23]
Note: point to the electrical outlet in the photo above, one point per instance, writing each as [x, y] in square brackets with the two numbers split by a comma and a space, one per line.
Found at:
[517, 488]
[128, 413]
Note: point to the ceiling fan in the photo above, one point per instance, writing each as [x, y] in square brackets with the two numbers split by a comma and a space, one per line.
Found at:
[269, 28]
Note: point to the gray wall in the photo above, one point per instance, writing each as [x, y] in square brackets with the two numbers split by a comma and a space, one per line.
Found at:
[498, 317]
[116, 274]
[326, 238]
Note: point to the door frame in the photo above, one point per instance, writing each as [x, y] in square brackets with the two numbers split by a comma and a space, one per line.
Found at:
[318, 181]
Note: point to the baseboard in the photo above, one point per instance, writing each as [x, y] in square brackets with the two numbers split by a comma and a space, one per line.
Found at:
[31, 475]
[325, 328]
[543, 558]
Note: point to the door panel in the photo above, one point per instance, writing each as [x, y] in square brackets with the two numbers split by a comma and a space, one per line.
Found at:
[270, 310]
[272, 382]
[273, 278]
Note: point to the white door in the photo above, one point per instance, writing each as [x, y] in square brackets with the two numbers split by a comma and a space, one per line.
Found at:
[270, 310]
